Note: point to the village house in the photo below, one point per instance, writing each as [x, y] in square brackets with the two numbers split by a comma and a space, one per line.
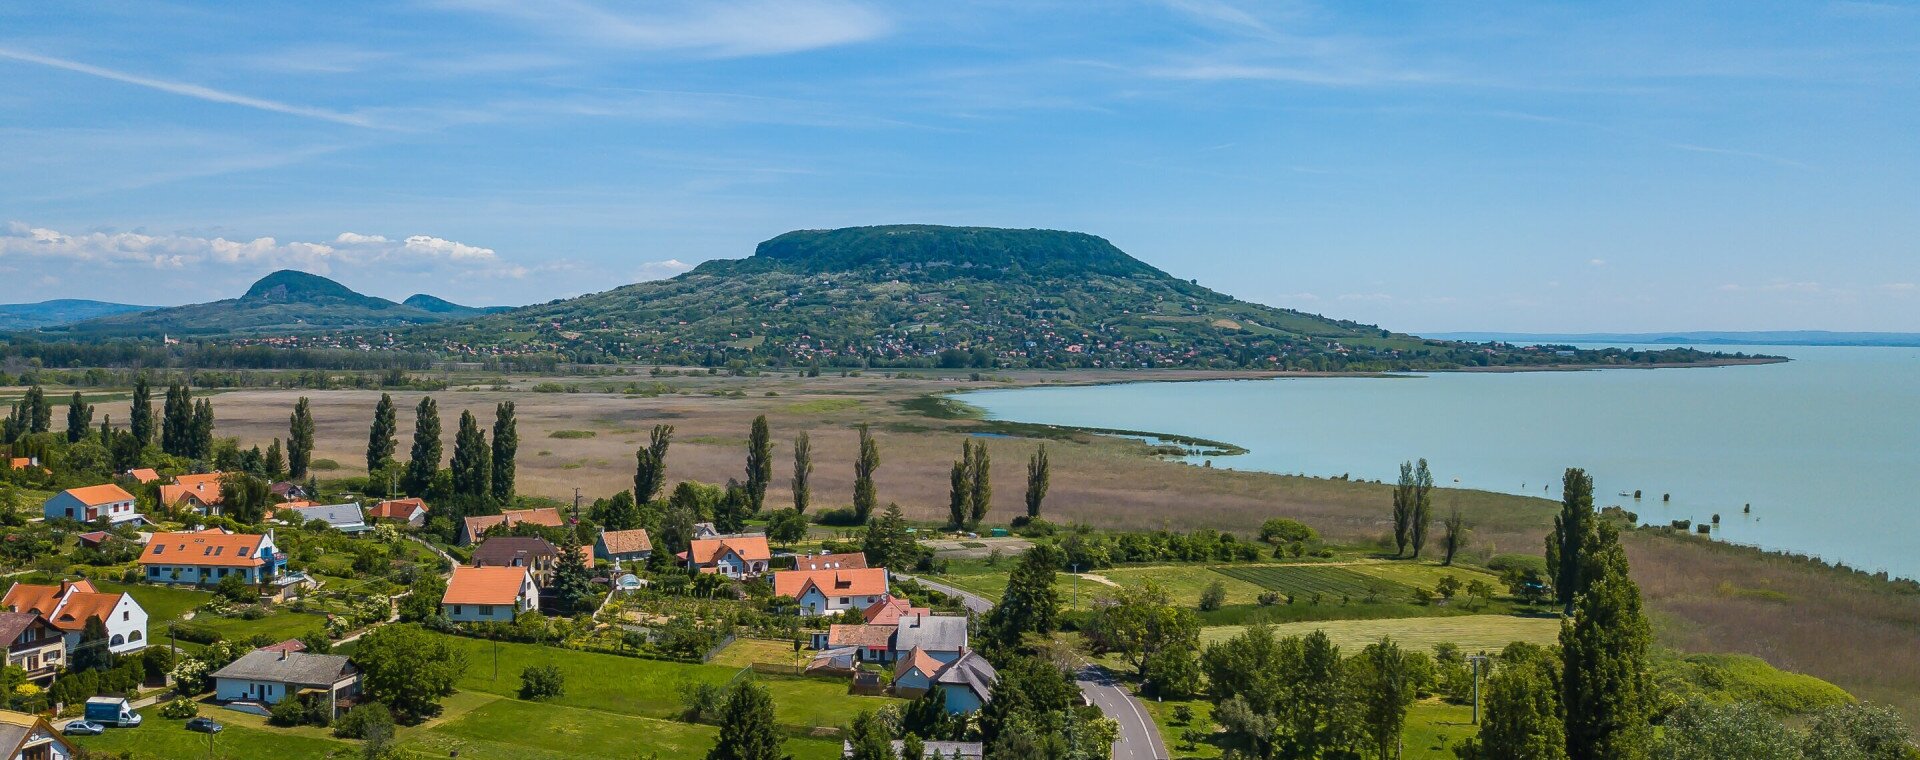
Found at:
[843, 561]
[472, 529]
[489, 594]
[933, 750]
[265, 677]
[967, 682]
[830, 592]
[623, 546]
[90, 503]
[532, 552]
[412, 511]
[345, 518]
[33, 645]
[199, 493]
[143, 475]
[209, 555]
[30, 737]
[732, 556]
[942, 637]
[68, 605]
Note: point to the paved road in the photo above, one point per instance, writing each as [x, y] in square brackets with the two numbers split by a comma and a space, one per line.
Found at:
[1139, 738]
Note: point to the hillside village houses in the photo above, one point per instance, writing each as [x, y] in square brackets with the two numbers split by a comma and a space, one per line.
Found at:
[198, 493]
[472, 529]
[489, 594]
[345, 518]
[209, 555]
[105, 501]
[738, 557]
[831, 592]
[68, 605]
[268, 675]
[412, 511]
[33, 645]
[624, 546]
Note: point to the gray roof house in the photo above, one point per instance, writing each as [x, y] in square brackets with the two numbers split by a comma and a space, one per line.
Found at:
[968, 683]
[345, 518]
[265, 677]
[931, 750]
[934, 634]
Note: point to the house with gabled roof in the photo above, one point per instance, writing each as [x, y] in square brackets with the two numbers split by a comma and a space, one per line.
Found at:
[474, 528]
[942, 637]
[345, 518]
[143, 475]
[489, 594]
[200, 493]
[968, 683]
[267, 676]
[830, 561]
[33, 645]
[744, 556]
[105, 501]
[411, 510]
[830, 592]
[31, 737]
[210, 555]
[623, 546]
[68, 605]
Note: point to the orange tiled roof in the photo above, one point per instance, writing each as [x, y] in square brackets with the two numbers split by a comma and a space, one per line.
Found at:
[870, 636]
[627, 541]
[82, 602]
[549, 517]
[866, 581]
[396, 509]
[890, 610]
[842, 561]
[30, 597]
[705, 550]
[81, 607]
[212, 478]
[485, 585]
[105, 493]
[144, 474]
[916, 658]
[206, 493]
[204, 549]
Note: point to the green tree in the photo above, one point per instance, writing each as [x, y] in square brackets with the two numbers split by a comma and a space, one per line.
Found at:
[300, 439]
[786, 526]
[79, 418]
[982, 497]
[408, 670]
[141, 422]
[1572, 537]
[759, 463]
[1523, 716]
[275, 465]
[1383, 680]
[1039, 475]
[676, 528]
[802, 472]
[960, 489]
[1858, 732]
[39, 410]
[887, 542]
[1139, 622]
[1403, 505]
[472, 463]
[730, 515]
[506, 447]
[424, 460]
[176, 422]
[1455, 536]
[202, 430]
[381, 438]
[751, 733]
[1422, 506]
[1030, 604]
[650, 465]
[870, 738]
[617, 512]
[92, 653]
[245, 498]
[865, 496]
[1606, 691]
[1704, 731]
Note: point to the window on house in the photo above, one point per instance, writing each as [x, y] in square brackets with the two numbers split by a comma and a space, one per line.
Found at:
[486, 609]
[456, 609]
[159, 549]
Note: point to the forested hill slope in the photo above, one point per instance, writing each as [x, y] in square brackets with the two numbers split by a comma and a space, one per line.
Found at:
[282, 302]
[919, 295]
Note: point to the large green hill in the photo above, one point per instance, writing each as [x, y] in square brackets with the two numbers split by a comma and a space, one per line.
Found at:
[282, 302]
[920, 295]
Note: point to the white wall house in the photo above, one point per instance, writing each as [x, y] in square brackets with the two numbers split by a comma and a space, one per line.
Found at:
[210, 556]
[830, 592]
[70, 604]
[489, 594]
[92, 503]
[267, 676]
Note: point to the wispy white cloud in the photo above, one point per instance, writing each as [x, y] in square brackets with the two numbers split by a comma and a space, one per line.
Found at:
[718, 29]
[1739, 154]
[187, 89]
[181, 251]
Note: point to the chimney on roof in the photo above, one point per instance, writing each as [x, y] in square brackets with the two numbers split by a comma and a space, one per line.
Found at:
[283, 654]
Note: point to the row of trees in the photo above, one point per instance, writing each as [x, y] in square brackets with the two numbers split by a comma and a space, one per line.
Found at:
[480, 475]
[1413, 516]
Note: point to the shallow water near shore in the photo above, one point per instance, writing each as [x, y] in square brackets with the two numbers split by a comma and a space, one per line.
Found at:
[1825, 448]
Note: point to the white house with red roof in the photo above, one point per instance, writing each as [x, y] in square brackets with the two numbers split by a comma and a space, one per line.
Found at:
[731, 556]
[210, 555]
[91, 503]
[830, 592]
[68, 606]
[489, 594]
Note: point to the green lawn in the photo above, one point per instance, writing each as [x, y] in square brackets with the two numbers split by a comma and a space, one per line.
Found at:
[651, 688]
[1472, 633]
[1332, 582]
[160, 739]
[166, 604]
[1433, 727]
[279, 626]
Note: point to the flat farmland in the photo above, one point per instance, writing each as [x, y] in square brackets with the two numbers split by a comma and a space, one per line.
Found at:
[1472, 633]
[1307, 580]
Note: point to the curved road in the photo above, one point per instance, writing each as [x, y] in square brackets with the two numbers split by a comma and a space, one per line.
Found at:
[1139, 737]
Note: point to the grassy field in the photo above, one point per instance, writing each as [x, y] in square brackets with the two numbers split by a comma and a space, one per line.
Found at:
[166, 604]
[1471, 632]
[1433, 727]
[744, 652]
[1329, 581]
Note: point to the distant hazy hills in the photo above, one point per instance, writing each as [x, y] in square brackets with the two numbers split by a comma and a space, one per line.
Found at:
[1704, 338]
[283, 302]
[27, 316]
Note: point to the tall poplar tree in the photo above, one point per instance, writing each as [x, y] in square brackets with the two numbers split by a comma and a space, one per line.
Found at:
[1522, 701]
[202, 429]
[1422, 505]
[176, 422]
[79, 419]
[759, 463]
[424, 460]
[141, 423]
[865, 496]
[506, 447]
[982, 485]
[1606, 690]
[1039, 473]
[300, 439]
[802, 472]
[1403, 499]
[960, 488]
[275, 464]
[751, 733]
[39, 410]
[1573, 535]
[650, 465]
[472, 462]
[381, 438]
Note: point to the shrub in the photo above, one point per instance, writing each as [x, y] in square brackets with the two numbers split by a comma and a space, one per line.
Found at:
[843, 517]
[1269, 598]
[1213, 597]
[198, 634]
[180, 709]
[364, 722]
[571, 434]
[1522, 562]
[542, 682]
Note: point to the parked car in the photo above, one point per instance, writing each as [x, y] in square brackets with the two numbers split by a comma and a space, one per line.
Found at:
[83, 727]
[204, 725]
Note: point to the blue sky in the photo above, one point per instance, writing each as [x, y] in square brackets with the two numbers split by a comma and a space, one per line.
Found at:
[1442, 166]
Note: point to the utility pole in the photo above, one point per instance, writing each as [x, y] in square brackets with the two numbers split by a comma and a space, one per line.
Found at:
[1478, 660]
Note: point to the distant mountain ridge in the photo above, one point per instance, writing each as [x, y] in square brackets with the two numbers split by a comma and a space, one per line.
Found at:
[439, 305]
[60, 311]
[1704, 337]
[285, 301]
[926, 295]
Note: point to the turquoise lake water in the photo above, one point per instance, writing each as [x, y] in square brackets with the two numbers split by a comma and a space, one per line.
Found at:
[1826, 447]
